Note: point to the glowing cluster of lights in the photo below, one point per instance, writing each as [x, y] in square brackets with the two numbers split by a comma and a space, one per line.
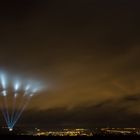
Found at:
[16, 86]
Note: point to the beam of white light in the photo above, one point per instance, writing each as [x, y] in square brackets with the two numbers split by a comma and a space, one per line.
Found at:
[13, 110]
[27, 87]
[16, 85]
[30, 88]
[4, 114]
[3, 81]
[3, 109]
[32, 93]
[6, 107]
[17, 110]
[21, 111]
[27, 90]
[35, 90]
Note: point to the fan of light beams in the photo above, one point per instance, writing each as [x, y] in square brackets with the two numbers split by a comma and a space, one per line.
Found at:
[15, 95]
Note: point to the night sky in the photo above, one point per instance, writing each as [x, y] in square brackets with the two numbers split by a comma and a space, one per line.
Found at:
[85, 52]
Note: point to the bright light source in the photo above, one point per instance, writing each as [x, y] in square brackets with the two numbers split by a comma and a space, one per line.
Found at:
[10, 129]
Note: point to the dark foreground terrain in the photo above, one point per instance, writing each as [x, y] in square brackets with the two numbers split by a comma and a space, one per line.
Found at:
[21, 135]
[72, 138]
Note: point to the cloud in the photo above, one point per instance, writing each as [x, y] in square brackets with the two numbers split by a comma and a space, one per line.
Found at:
[84, 53]
[105, 114]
